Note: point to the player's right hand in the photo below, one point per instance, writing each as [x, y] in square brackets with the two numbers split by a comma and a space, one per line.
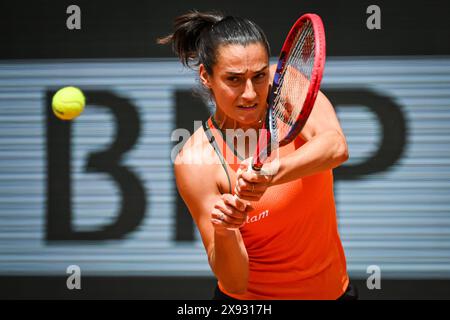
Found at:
[229, 212]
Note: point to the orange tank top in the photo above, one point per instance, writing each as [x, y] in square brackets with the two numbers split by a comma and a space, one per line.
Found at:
[292, 236]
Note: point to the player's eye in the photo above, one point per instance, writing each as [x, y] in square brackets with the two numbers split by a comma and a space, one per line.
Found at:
[260, 76]
[233, 79]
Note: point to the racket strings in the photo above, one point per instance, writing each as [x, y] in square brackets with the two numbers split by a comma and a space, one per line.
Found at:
[299, 41]
[295, 72]
[294, 82]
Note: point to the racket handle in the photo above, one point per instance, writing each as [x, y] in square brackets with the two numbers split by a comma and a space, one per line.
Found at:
[249, 169]
[256, 166]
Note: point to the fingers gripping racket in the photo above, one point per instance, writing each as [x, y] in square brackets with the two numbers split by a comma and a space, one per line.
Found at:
[295, 87]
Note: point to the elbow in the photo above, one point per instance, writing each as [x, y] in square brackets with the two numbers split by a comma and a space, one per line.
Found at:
[342, 154]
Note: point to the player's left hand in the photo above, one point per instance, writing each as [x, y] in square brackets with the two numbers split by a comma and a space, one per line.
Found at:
[251, 185]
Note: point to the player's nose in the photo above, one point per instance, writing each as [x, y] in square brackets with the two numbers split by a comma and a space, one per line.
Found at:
[249, 93]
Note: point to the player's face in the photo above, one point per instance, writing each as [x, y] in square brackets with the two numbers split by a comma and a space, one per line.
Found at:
[239, 83]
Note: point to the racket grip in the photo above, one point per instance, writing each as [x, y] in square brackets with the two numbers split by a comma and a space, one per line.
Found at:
[249, 168]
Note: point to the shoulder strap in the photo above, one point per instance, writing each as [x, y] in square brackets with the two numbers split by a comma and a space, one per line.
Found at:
[212, 141]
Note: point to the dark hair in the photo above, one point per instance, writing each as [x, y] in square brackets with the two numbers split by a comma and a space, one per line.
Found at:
[197, 35]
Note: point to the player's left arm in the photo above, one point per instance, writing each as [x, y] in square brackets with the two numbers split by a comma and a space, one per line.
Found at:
[325, 147]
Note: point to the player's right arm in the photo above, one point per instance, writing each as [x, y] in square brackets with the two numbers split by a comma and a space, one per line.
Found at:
[225, 248]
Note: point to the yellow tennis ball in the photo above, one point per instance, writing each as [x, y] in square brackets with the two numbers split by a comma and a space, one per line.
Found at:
[68, 103]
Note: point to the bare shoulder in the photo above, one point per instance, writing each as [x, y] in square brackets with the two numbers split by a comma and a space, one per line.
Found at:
[323, 118]
[196, 152]
[196, 165]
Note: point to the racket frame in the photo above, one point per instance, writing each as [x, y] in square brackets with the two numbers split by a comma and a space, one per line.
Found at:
[266, 144]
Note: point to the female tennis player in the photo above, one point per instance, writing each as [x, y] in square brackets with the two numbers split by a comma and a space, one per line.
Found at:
[278, 237]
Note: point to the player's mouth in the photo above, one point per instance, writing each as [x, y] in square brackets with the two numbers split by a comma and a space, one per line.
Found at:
[248, 106]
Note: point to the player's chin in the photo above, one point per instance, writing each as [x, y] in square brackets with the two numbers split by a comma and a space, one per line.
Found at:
[249, 115]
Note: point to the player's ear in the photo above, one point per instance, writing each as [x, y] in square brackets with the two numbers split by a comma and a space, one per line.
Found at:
[204, 76]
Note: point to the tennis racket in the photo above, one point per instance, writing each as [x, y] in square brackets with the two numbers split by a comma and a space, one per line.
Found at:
[295, 87]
